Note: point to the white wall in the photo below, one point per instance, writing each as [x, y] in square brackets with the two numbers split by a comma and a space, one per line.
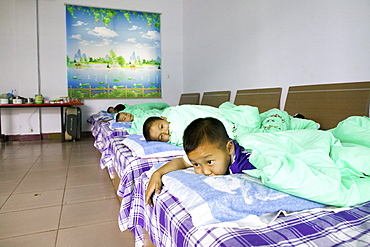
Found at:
[241, 44]
[19, 64]
[206, 45]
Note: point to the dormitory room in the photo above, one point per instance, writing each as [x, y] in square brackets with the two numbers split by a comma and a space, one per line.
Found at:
[184, 123]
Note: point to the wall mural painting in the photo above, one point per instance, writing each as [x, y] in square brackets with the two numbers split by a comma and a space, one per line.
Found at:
[113, 53]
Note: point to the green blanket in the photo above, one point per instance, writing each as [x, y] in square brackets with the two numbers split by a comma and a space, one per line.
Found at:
[140, 116]
[141, 112]
[353, 130]
[313, 164]
[238, 120]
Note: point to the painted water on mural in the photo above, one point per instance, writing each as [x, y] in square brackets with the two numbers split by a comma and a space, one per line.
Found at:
[99, 76]
[113, 53]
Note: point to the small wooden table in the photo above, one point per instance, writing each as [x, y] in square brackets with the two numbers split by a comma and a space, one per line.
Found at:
[60, 105]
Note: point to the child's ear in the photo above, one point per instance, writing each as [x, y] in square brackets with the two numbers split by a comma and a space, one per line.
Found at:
[230, 147]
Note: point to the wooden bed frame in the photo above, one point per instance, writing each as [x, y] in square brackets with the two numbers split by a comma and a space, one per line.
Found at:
[215, 98]
[189, 99]
[328, 104]
[264, 98]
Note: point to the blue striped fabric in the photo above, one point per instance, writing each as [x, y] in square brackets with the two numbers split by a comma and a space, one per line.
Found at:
[103, 133]
[169, 224]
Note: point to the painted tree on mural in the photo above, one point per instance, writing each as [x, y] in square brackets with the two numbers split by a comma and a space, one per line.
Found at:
[113, 53]
[106, 15]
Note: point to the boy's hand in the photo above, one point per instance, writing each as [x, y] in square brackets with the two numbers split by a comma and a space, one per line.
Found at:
[154, 186]
[155, 182]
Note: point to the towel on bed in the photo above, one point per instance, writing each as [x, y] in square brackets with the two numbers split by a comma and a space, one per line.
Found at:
[119, 125]
[152, 149]
[237, 200]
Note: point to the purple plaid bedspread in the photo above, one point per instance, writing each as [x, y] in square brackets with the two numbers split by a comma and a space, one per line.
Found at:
[103, 133]
[118, 159]
[169, 224]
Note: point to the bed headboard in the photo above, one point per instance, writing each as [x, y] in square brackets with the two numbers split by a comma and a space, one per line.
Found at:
[215, 98]
[189, 99]
[264, 98]
[329, 104]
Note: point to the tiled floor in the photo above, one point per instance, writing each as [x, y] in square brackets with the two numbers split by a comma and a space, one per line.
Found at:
[55, 194]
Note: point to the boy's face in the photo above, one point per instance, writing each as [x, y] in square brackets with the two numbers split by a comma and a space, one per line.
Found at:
[111, 110]
[209, 159]
[160, 131]
[125, 117]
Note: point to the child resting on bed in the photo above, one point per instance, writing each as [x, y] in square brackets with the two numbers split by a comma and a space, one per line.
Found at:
[137, 114]
[110, 109]
[238, 120]
[208, 149]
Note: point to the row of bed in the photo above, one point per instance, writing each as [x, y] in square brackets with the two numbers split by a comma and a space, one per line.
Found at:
[170, 223]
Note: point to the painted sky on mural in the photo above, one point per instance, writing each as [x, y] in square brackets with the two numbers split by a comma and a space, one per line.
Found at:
[96, 39]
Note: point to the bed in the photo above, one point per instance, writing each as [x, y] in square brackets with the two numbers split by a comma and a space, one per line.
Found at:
[215, 98]
[328, 104]
[170, 224]
[104, 130]
[264, 98]
[95, 120]
[189, 99]
[124, 166]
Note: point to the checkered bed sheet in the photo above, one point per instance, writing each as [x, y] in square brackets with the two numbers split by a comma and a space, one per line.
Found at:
[103, 133]
[118, 159]
[169, 224]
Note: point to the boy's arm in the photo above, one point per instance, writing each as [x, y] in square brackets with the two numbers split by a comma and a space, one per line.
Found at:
[155, 182]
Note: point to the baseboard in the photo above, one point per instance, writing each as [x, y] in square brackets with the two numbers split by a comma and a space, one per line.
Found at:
[46, 136]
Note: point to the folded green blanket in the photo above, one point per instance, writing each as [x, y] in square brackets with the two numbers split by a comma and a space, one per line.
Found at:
[353, 130]
[311, 164]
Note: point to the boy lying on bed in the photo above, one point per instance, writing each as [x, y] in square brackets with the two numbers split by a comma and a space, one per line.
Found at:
[137, 114]
[238, 120]
[208, 149]
[307, 163]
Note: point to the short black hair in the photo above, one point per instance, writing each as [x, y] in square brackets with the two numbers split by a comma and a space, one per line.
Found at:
[204, 130]
[117, 116]
[146, 127]
[111, 107]
[119, 107]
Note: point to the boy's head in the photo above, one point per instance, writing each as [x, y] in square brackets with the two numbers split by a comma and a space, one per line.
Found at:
[124, 117]
[119, 107]
[156, 129]
[208, 146]
[110, 109]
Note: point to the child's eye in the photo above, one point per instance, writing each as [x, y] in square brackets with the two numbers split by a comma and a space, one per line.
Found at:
[210, 162]
[196, 165]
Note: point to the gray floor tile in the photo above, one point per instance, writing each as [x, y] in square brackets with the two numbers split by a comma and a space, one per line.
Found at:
[33, 200]
[89, 213]
[29, 221]
[103, 234]
[44, 239]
